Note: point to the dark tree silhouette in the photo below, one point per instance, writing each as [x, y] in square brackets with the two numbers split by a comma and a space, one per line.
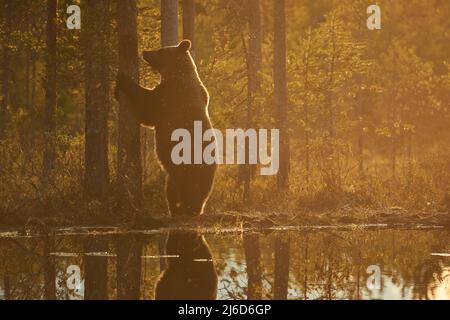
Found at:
[253, 62]
[281, 91]
[50, 90]
[97, 98]
[282, 256]
[129, 251]
[49, 268]
[169, 22]
[129, 171]
[189, 22]
[6, 287]
[95, 269]
[306, 103]
[254, 269]
[5, 59]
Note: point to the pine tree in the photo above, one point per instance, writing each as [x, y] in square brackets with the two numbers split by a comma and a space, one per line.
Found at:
[281, 91]
[50, 91]
[129, 170]
[97, 98]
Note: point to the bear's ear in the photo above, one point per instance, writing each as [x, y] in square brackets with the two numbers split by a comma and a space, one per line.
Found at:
[185, 45]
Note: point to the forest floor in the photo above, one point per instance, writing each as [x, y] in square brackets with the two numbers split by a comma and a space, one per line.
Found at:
[348, 218]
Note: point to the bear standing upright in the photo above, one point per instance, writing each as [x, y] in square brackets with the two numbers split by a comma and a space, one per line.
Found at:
[176, 103]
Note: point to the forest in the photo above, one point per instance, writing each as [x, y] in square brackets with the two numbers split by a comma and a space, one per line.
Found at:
[363, 114]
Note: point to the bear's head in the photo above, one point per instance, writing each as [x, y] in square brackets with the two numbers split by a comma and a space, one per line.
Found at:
[170, 60]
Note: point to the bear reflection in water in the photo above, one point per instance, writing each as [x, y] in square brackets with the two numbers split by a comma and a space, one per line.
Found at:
[192, 274]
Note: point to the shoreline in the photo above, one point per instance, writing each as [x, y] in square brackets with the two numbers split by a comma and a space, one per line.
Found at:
[233, 222]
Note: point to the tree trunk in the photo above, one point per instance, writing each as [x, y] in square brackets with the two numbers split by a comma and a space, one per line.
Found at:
[5, 70]
[330, 97]
[333, 182]
[169, 22]
[359, 116]
[394, 153]
[253, 263]
[254, 57]
[28, 66]
[189, 22]
[50, 91]
[27, 78]
[306, 88]
[410, 155]
[33, 81]
[361, 101]
[129, 173]
[97, 91]
[255, 42]
[281, 91]
[394, 119]
[282, 255]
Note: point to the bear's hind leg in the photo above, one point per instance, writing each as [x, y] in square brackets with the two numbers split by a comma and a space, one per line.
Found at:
[187, 194]
[193, 199]
[173, 197]
[193, 206]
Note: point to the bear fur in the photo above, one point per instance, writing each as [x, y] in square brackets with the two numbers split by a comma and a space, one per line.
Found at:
[178, 101]
[191, 276]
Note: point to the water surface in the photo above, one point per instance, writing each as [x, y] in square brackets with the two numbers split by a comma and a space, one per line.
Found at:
[296, 264]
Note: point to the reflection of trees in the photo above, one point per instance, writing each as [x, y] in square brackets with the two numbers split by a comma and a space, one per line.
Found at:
[27, 269]
[253, 266]
[6, 287]
[335, 263]
[49, 268]
[282, 256]
[330, 272]
[231, 271]
[324, 264]
[427, 275]
[319, 265]
[232, 268]
[305, 270]
[95, 269]
[331, 264]
[409, 263]
[129, 251]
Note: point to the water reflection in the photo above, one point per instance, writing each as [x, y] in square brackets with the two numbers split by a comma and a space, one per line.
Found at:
[95, 269]
[129, 252]
[190, 273]
[320, 264]
[253, 263]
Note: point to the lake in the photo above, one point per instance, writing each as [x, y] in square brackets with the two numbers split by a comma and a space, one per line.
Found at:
[289, 263]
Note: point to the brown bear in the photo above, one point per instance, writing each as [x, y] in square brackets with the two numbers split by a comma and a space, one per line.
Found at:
[176, 103]
[191, 273]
